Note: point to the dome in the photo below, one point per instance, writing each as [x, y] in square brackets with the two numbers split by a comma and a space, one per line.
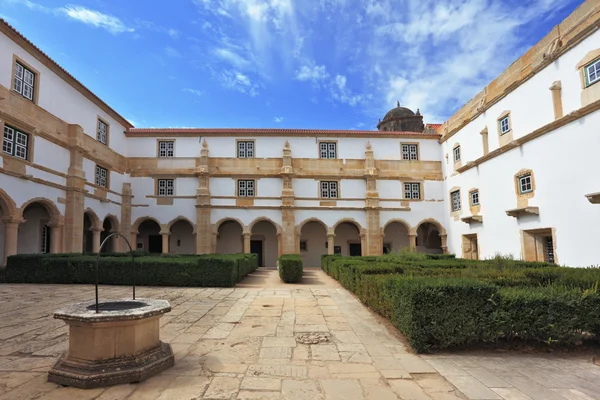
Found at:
[399, 112]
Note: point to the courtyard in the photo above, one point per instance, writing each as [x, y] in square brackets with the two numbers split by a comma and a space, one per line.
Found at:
[267, 340]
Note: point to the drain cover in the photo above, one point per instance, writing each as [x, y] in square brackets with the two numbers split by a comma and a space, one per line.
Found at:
[312, 338]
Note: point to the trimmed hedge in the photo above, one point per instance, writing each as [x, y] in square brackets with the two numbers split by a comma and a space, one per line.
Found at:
[210, 270]
[290, 268]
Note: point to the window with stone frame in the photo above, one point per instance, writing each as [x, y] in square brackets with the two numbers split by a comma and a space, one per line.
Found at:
[166, 148]
[101, 176]
[592, 73]
[412, 191]
[102, 132]
[24, 81]
[246, 188]
[329, 190]
[165, 187]
[504, 125]
[456, 152]
[245, 149]
[410, 152]
[455, 196]
[525, 184]
[475, 198]
[328, 150]
[15, 143]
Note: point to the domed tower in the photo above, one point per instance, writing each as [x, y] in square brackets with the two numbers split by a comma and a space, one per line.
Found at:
[402, 119]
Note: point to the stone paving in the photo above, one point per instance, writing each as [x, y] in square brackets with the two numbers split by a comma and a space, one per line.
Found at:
[266, 340]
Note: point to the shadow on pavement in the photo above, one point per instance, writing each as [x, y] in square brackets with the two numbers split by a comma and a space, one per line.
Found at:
[268, 278]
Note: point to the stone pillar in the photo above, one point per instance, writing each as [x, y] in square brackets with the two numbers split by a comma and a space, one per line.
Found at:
[289, 240]
[204, 234]
[11, 234]
[330, 243]
[96, 239]
[372, 244]
[247, 236]
[412, 241]
[444, 238]
[75, 194]
[556, 89]
[133, 240]
[485, 141]
[363, 243]
[125, 225]
[56, 238]
[165, 241]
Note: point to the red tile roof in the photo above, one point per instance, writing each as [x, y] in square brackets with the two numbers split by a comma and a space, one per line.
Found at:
[70, 79]
[266, 132]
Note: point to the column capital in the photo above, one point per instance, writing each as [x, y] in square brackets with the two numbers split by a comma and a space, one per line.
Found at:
[12, 220]
[247, 234]
[165, 233]
[330, 235]
[97, 230]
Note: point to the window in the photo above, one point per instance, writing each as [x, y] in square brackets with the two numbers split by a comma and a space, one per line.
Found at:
[412, 191]
[101, 176]
[455, 200]
[410, 152]
[525, 184]
[328, 149]
[592, 73]
[245, 149]
[246, 188]
[102, 133]
[166, 187]
[548, 249]
[457, 154]
[166, 149]
[15, 143]
[45, 239]
[504, 125]
[24, 81]
[303, 245]
[475, 198]
[329, 190]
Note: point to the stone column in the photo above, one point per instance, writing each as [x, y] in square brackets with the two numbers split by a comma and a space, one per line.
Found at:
[11, 234]
[363, 243]
[96, 239]
[165, 241]
[556, 89]
[56, 238]
[330, 243]
[204, 233]
[412, 241]
[288, 241]
[485, 141]
[75, 193]
[444, 238]
[247, 236]
[133, 240]
[372, 244]
[125, 225]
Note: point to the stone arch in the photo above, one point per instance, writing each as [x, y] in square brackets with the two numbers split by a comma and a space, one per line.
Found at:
[227, 219]
[53, 211]
[433, 222]
[8, 212]
[182, 236]
[313, 219]
[347, 220]
[8, 206]
[136, 225]
[228, 234]
[41, 228]
[346, 240]
[396, 235]
[148, 235]
[312, 241]
[179, 219]
[429, 242]
[110, 224]
[265, 241]
[96, 223]
[265, 219]
[399, 221]
[114, 222]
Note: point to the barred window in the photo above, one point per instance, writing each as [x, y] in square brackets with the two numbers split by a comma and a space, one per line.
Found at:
[592, 73]
[246, 188]
[475, 198]
[101, 176]
[410, 152]
[102, 133]
[504, 125]
[455, 200]
[412, 191]
[15, 143]
[329, 190]
[457, 154]
[328, 149]
[24, 81]
[525, 185]
[245, 149]
[166, 149]
[166, 187]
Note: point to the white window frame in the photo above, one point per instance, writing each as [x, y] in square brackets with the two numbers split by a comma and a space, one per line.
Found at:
[24, 81]
[456, 153]
[456, 204]
[504, 125]
[525, 181]
[245, 149]
[102, 132]
[15, 143]
[412, 189]
[102, 176]
[592, 69]
[410, 152]
[475, 198]
[165, 187]
[329, 189]
[328, 150]
[246, 188]
[166, 148]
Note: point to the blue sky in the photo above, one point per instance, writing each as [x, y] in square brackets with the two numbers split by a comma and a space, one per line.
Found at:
[328, 64]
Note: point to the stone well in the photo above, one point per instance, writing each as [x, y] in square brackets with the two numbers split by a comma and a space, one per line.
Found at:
[119, 344]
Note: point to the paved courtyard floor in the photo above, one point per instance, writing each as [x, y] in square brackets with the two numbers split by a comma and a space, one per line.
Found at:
[254, 342]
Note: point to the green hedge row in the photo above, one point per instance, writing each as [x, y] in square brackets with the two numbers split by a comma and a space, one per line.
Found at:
[210, 270]
[290, 268]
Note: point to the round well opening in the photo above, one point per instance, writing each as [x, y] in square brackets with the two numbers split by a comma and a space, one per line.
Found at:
[118, 305]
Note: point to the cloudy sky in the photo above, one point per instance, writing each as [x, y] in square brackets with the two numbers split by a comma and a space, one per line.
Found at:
[331, 64]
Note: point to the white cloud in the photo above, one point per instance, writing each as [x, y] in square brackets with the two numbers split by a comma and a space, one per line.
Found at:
[278, 119]
[195, 92]
[173, 33]
[314, 74]
[171, 52]
[235, 80]
[95, 18]
[231, 57]
[341, 93]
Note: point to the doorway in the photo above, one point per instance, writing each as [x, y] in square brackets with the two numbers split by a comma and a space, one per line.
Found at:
[155, 243]
[539, 245]
[256, 247]
[355, 250]
[470, 247]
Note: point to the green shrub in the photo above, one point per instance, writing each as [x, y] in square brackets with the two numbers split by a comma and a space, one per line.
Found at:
[290, 268]
[376, 291]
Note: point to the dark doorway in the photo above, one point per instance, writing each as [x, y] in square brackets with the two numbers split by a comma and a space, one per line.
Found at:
[155, 243]
[355, 250]
[46, 238]
[256, 247]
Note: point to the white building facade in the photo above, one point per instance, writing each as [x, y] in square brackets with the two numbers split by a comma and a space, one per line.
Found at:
[511, 172]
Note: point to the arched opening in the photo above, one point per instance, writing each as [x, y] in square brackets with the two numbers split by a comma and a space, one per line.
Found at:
[35, 233]
[313, 243]
[182, 239]
[88, 235]
[8, 211]
[347, 240]
[428, 239]
[107, 229]
[264, 243]
[229, 238]
[3, 214]
[395, 237]
[149, 237]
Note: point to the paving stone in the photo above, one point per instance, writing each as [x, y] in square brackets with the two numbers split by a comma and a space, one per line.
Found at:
[415, 365]
[487, 378]
[572, 394]
[276, 352]
[302, 319]
[408, 390]
[300, 390]
[222, 388]
[291, 371]
[472, 388]
[278, 342]
[374, 390]
[324, 352]
[511, 394]
[532, 389]
[251, 395]
[252, 383]
[338, 389]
